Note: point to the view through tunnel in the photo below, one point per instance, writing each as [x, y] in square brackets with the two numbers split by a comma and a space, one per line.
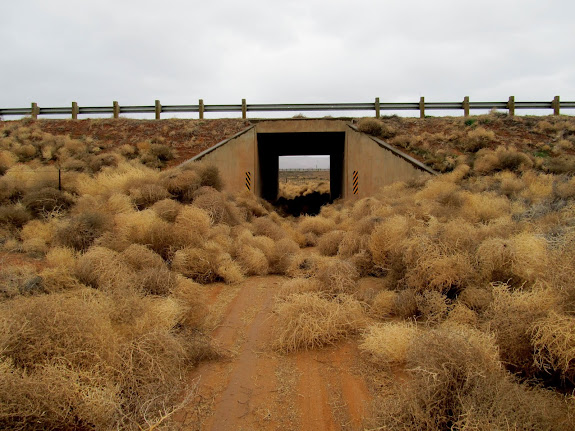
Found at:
[272, 146]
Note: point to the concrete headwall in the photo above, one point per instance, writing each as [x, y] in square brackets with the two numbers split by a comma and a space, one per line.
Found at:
[236, 159]
[368, 163]
[375, 165]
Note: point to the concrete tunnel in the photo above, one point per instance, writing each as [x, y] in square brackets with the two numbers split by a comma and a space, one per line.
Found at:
[273, 145]
[359, 164]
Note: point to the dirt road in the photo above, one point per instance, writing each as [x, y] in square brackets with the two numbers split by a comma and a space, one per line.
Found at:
[255, 388]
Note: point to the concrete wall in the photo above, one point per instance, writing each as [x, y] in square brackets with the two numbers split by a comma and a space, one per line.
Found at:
[301, 125]
[377, 164]
[234, 158]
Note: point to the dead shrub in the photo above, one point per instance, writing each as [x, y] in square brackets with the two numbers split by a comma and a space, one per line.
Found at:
[387, 344]
[97, 162]
[519, 259]
[192, 299]
[193, 224]
[251, 205]
[14, 216]
[476, 298]
[383, 304]
[405, 305]
[140, 257]
[460, 314]
[148, 194]
[553, 339]
[363, 263]
[58, 279]
[57, 396]
[80, 231]
[564, 164]
[502, 158]
[181, 184]
[511, 316]
[162, 152]
[430, 265]
[146, 228]
[61, 257]
[309, 320]
[267, 227]
[477, 139]
[456, 383]
[156, 281]
[210, 177]
[351, 244]
[167, 209]
[55, 327]
[375, 127]
[387, 239]
[298, 285]
[371, 126]
[47, 200]
[207, 264]
[305, 265]
[252, 260]
[317, 225]
[338, 276]
[104, 269]
[433, 306]
[283, 253]
[19, 280]
[218, 208]
[484, 207]
[328, 243]
[444, 365]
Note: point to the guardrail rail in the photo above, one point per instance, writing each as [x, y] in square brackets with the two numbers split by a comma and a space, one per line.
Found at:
[157, 109]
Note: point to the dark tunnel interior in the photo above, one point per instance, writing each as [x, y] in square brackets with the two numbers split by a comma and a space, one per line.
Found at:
[273, 145]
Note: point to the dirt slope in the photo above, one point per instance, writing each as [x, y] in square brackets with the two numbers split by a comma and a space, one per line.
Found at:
[257, 388]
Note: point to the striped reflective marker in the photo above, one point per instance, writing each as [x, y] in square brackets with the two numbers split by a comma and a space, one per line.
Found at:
[355, 182]
[248, 180]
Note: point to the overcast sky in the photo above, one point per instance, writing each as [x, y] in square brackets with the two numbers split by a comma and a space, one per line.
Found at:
[294, 51]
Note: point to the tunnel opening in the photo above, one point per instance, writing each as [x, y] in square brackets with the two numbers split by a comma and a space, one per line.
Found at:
[272, 146]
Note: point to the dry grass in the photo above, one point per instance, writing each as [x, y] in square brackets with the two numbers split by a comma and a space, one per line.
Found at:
[207, 264]
[455, 382]
[511, 317]
[432, 266]
[252, 260]
[386, 345]
[553, 339]
[317, 225]
[519, 259]
[329, 243]
[139, 237]
[338, 276]
[383, 304]
[310, 320]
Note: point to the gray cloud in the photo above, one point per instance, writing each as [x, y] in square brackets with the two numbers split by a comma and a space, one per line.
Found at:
[179, 51]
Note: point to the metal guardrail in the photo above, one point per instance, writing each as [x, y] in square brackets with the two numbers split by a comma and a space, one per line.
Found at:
[34, 110]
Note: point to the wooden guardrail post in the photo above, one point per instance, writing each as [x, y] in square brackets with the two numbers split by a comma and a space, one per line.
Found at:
[201, 109]
[34, 111]
[556, 105]
[466, 106]
[116, 109]
[75, 110]
[244, 109]
[377, 108]
[158, 109]
[422, 107]
[511, 106]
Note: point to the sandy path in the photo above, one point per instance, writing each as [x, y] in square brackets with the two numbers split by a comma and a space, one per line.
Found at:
[257, 389]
